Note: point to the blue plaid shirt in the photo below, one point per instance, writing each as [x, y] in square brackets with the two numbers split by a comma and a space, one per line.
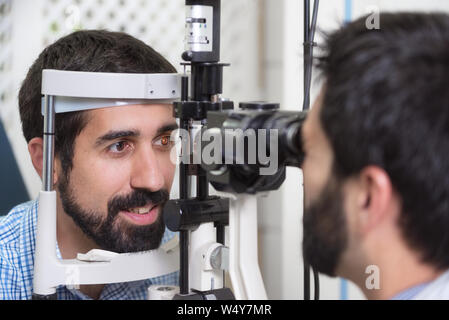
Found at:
[17, 243]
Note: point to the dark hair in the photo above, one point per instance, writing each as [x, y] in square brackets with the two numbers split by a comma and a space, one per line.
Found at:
[386, 103]
[90, 51]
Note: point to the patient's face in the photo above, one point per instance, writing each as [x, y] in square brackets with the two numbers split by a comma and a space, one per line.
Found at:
[121, 176]
[325, 228]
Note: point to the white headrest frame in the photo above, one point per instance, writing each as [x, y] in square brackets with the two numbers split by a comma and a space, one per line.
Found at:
[68, 104]
[111, 85]
[78, 91]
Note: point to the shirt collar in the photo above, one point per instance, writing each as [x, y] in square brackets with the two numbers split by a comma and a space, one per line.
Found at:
[411, 292]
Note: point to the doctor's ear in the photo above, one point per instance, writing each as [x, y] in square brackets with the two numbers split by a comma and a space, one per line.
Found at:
[377, 201]
[36, 150]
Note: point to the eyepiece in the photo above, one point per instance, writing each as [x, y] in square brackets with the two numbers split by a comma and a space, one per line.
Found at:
[251, 141]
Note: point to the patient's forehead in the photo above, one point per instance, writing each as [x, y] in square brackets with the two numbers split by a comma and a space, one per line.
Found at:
[146, 114]
[145, 118]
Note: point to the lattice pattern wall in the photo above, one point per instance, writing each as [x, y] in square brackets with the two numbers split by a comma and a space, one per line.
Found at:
[159, 23]
[6, 86]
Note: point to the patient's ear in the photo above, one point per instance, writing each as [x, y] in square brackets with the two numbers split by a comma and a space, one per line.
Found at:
[36, 150]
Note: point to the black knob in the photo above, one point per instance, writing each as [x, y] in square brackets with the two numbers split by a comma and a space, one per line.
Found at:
[187, 56]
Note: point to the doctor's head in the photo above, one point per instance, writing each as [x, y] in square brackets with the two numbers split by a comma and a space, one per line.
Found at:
[377, 146]
[112, 165]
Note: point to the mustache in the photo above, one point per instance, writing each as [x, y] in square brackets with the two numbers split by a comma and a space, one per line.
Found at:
[137, 198]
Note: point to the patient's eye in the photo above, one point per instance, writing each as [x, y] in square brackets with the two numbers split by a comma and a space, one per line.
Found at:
[164, 141]
[119, 147]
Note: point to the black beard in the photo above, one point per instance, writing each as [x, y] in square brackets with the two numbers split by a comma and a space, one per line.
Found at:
[111, 234]
[325, 230]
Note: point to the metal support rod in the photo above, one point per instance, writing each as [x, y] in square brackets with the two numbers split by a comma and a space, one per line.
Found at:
[306, 281]
[184, 186]
[49, 142]
[306, 19]
[307, 54]
[309, 36]
[184, 87]
[202, 190]
[184, 263]
[221, 239]
[202, 184]
[306, 106]
[220, 234]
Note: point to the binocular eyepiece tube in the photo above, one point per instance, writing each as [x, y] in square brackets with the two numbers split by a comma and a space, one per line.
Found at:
[252, 147]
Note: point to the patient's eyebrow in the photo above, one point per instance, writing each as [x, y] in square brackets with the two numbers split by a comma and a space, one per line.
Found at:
[114, 135]
[167, 128]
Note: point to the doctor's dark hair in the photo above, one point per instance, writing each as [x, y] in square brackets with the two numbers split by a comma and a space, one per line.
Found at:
[386, 103]
[89, 51]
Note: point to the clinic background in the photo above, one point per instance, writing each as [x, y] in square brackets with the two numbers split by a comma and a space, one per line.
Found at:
[262, 39]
